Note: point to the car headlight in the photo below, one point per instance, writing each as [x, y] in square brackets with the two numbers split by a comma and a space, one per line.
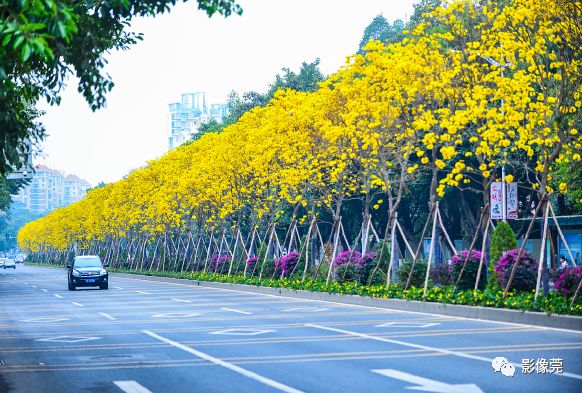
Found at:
[76, 273]
[103, 272]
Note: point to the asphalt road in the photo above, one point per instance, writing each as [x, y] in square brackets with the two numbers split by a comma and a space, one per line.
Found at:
[143, 336]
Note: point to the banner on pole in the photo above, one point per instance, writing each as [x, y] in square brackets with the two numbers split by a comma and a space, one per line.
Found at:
[496, 196]
[512, 201]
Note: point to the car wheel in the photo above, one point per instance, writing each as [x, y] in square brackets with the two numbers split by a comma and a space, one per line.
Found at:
[104, 286]
[71, 287]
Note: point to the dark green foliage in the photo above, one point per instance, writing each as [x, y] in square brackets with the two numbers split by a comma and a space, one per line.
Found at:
[346, 272]
[469, 275]
[418, 274]
[440, 274]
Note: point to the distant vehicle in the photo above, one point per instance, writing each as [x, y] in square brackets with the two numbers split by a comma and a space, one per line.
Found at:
[87, 271]
[9, 263]
[20, 258]
[2, 260]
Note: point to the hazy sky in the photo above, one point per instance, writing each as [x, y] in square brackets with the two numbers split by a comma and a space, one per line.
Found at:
[185, 51]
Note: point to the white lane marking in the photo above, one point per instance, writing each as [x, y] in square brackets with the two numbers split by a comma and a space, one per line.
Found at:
[182, 300]
[26, 283]
[203, 288]
[44, 290]
[143, 293]
[77, 304]
[34, 286]
[426, 348]
[105, 315]
[429, 385]
[230, 366]
[176, 315]
[237, 311]
[59, 296]
[131, 387]
[117, 287]
[407, 324]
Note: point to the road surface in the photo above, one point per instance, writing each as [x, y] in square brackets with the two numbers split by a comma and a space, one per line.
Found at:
[144, 336]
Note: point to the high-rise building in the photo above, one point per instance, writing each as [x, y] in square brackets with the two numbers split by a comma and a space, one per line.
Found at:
[189, 114]
[50, 189]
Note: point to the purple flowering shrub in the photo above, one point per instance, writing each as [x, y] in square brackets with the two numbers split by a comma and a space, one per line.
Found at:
[347, 257]
[250, 264]
[366, 265]
[568, 280]
[525, 275]
[469, 276]
[441, 274]
[286, 263]
[218, 262]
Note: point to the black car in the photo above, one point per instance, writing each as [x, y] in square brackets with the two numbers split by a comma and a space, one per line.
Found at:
[87, 271]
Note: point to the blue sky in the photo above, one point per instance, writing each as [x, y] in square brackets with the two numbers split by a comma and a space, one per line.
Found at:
[186, 51]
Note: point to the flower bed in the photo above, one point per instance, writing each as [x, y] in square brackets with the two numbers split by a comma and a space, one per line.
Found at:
[553, 303]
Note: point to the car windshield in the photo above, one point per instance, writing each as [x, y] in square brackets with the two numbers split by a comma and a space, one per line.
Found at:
[88, 262]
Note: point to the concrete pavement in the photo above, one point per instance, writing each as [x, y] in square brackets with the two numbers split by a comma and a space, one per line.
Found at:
[152, 336]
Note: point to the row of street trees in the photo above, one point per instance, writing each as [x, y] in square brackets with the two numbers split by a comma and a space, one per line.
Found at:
[475, 86]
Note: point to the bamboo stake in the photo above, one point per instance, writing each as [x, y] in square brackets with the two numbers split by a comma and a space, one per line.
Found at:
[562, 235]
[334, 251]
[543, 251]
[408, 247]
[483, 245]
[431, 250]
[453, 248]
[392, 250]
[234, 251]
[519, 254]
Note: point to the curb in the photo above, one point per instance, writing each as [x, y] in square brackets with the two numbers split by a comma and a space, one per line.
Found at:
[559, 321]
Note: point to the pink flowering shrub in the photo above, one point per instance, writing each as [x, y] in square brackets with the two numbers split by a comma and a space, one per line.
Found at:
[568, 281]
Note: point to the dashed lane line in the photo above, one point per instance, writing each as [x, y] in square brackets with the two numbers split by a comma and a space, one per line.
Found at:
[131, 387]
[105, 315]
[440, 350]
[230, 366]
[59, 296]
[182, 300]
[143, 292]
[236, 311]
[77, 304]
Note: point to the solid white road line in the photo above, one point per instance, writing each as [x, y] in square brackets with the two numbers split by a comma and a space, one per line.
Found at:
[77, 304]
[143, 293]
[105, 315]
[426, 348]
[237, 311]
[131, 387]
[230, 366]
[59, 296]
[182, 300]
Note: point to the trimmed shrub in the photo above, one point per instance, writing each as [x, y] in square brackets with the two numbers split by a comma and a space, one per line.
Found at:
[470, 273]
[502, 240]
[568, 281]
[418, 274]
[525, 275]
[250, 264]
[366, 266]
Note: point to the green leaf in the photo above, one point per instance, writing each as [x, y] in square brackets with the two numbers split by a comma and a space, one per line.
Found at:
[61, 28]
[25, 53]
[6, 39]
[17, 42]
